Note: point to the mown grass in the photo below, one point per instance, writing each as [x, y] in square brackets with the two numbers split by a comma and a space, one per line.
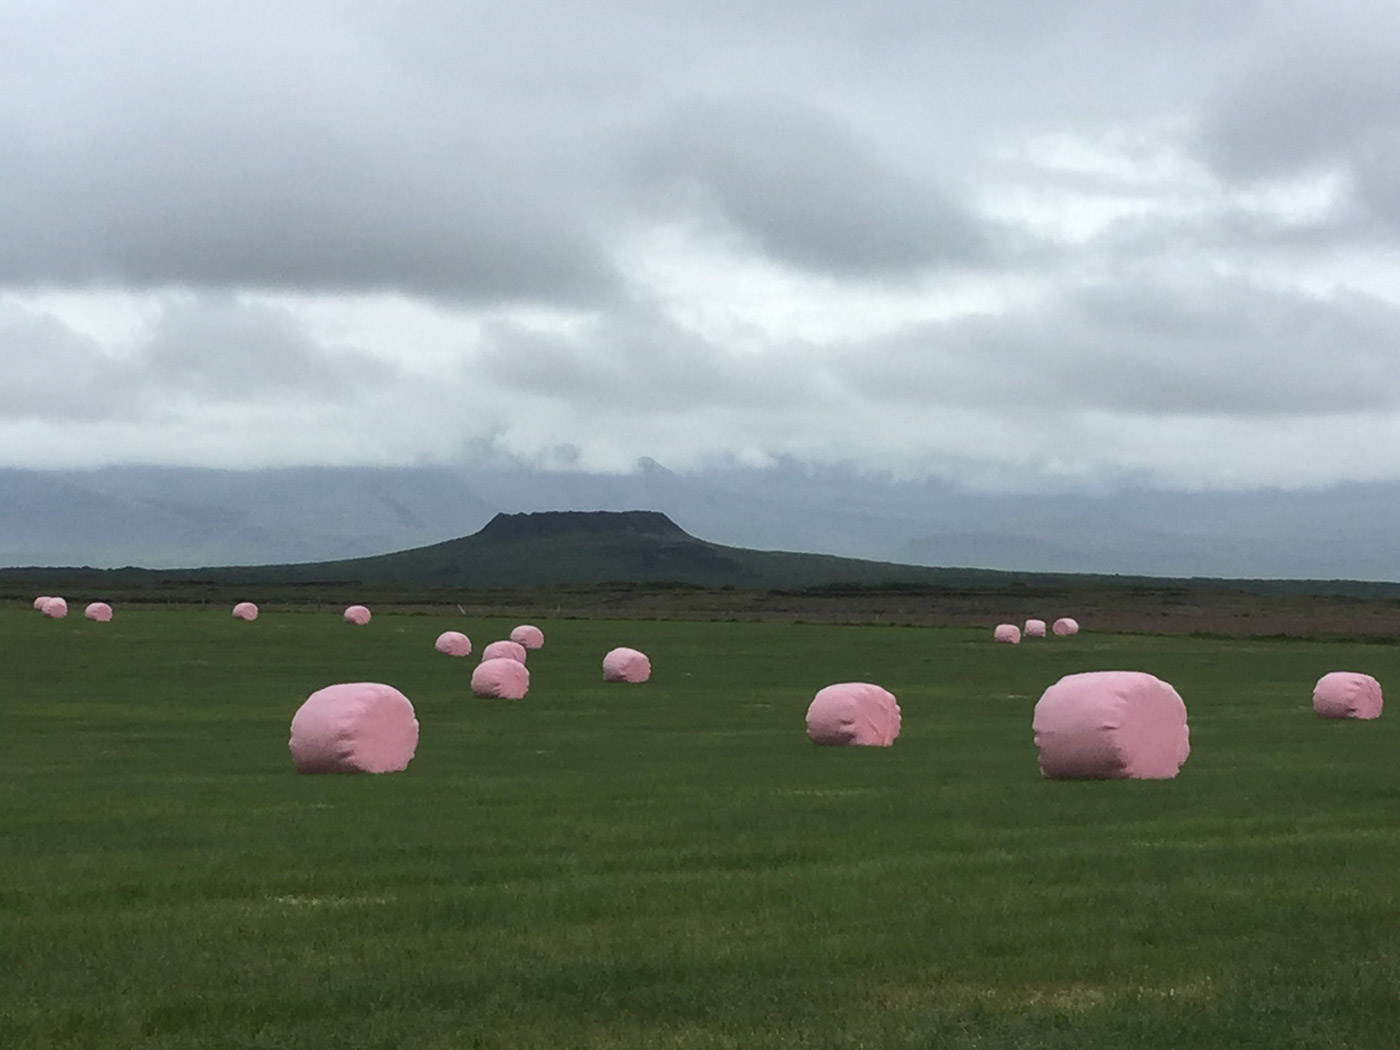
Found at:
[672, 864]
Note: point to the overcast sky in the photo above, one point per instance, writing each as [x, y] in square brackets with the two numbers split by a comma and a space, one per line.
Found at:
[1015, 245]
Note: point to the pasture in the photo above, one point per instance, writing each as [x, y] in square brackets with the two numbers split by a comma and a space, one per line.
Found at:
[673, 865]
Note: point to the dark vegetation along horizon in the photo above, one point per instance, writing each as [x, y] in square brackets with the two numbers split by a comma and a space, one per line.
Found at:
[641, 564]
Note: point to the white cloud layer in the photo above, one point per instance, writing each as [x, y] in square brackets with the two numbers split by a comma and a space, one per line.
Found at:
[1012, 248]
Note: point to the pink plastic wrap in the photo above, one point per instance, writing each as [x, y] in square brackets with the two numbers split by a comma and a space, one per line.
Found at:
[41, 601]
[55, 608]
[453, 643]
[504, 650]
[357, 614]
[501, 678]
[358, 727]
[528, 635]
[1035, 629]
[1007, 632]
[853, 713]
[626, 665]
[245, 611]
[1108, 725]
[99, 611]
[1347, 694]
[1064, 626]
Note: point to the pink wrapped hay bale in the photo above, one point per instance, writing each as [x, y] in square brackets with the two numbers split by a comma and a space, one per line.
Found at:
[500, 678]
[504, 650]
[358, 727]
[1110, 725]
[1007, 632]
[1064, 627]
[55, 609]
[1347, 694]
[245, 611]
[99, 611]
[357, 614]
[853, 714]
[1035, 629]
[41, 601]
[626, 665]
[528, 635]
[453, 643]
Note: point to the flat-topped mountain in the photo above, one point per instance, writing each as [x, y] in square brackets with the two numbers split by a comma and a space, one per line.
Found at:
[567, 547]
[648, 523]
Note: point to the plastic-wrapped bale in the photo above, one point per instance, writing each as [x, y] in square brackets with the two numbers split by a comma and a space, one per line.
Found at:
[504, 650]
[500, 678]
[528, 635]
[853, 713]
[357, 727]
[41, 601]
[626, 665]
[1065, 626]
[1007, 632]
[1110, 725]
[245, 611]
[1034, 629]
[453, 643]
[357, 614]
[55, 609]
[99, 611]
[1347, 694]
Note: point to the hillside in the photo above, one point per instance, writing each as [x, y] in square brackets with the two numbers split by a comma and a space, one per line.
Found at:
[592, 547]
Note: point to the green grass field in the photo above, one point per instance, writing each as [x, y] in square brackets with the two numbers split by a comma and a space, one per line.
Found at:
[673, 864]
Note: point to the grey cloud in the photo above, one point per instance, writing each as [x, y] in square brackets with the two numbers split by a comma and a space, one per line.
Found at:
[221, 349]
[190, 148]
[638, 359]
[1155, 350]
[1319, 90]
[51, 371]
[805, 189]
[215, 350]
[1317, 86]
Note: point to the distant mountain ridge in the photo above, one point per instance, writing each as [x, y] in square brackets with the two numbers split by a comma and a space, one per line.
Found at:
[552, 548]
[158, 517]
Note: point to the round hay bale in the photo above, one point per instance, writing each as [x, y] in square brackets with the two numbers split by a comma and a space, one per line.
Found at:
[245, 611]
[853, 714]
[55, 609]
[356, 727]
[1034, 629]
[504, 650]
[1347, 694]
[528, 635]
[1065, 626]
[500, 678]
[453, 643]
[1007, 632]
[41, 601]
[99, 611]
[357, 614]
[626, 665]
[1110, 725]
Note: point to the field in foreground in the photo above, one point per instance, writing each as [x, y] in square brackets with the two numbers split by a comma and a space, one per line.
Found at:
[672, 864]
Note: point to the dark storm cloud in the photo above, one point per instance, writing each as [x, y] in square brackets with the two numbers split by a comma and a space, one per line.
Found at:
[807, 190]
